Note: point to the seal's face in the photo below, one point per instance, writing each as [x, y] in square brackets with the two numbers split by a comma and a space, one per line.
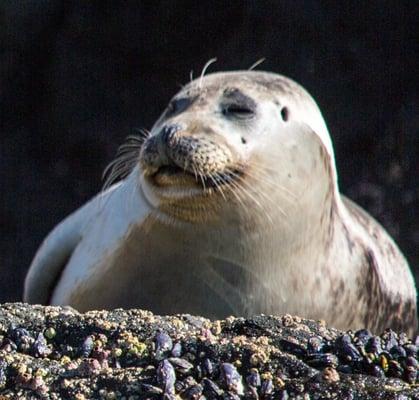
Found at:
[202, 139]
[208, 141]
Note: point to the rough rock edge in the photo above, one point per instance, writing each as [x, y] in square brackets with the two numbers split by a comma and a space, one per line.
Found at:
[119, 354]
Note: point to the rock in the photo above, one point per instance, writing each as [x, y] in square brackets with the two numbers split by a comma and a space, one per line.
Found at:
[56, 353]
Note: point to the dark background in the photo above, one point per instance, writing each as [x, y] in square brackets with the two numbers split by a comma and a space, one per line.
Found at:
[77, 76]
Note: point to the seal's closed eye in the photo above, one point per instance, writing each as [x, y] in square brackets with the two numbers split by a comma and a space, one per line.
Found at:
[241, 111]
[236, 104]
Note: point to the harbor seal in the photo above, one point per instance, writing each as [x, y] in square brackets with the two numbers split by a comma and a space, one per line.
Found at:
[229, 205]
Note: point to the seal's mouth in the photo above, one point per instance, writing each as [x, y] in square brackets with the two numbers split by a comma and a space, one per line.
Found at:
[171, 170]
[173, 175]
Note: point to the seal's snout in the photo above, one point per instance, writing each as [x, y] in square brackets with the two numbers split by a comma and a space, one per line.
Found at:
[191, 153]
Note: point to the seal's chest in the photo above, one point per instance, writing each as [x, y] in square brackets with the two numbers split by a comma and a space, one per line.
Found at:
[170, 270]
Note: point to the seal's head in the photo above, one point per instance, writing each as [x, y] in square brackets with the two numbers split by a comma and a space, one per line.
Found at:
[227, 135]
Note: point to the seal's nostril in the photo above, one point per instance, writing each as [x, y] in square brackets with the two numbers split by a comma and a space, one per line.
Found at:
[169, 131]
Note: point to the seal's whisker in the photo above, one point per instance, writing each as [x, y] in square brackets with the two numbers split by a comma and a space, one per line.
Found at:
[131, 145]
[191, 75]
[223, 182]
[231, 189]
[102, 204]
[264, 174]
[121, 160]
[265, 197]
[119, 169]
[201, 176]
[266, 169]
[248, 193]
[258, 175]
[262, 194]
[213, 60]
[141, 132]
[126, 158]
[236, 190]
[268, 200]
[265, 166]
[258, 62]
[217, 186]
[195, 172]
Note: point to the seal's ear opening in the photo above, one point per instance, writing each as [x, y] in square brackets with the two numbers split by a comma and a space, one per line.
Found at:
[285, 114]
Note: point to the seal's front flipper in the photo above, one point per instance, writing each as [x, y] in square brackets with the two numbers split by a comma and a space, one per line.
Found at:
[51, 259]
[57, 249]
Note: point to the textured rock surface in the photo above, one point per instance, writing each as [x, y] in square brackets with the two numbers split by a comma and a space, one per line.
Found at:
[54, 353]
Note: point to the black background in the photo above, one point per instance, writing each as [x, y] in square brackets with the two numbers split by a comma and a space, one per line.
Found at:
[77, 76]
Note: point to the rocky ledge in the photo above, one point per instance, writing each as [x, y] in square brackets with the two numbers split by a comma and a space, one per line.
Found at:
[58, 353]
